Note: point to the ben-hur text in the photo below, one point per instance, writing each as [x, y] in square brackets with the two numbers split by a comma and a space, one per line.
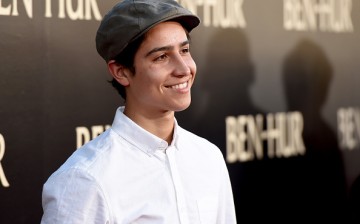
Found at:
[246, 136]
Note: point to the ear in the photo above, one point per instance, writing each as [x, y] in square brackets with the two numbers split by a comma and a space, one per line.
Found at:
[119, 72]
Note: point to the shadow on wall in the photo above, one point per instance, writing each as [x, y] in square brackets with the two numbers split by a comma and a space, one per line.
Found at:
[222, 85]
[307, 74]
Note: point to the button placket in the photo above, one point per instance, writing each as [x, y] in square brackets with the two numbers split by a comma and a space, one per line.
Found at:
[180, 197]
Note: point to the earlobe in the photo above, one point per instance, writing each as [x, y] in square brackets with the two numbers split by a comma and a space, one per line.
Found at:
[119, 72]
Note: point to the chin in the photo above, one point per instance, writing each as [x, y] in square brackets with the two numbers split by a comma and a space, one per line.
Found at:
[179, 110]
[182, 107]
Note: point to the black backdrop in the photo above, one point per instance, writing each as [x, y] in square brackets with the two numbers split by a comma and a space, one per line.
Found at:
[276, 90]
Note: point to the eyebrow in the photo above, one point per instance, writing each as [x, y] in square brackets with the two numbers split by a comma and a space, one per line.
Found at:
[166, 48]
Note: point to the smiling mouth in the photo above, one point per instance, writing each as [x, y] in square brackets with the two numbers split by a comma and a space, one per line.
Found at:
[179, 86]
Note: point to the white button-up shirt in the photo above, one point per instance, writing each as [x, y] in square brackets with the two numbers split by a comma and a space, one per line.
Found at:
[128, 175]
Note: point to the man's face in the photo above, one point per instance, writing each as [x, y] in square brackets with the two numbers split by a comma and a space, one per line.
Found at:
[165, 71]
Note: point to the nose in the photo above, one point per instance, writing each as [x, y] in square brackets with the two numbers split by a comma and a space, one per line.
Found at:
[182, 66]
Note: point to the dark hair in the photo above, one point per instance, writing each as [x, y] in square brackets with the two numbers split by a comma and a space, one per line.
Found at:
[126, 58]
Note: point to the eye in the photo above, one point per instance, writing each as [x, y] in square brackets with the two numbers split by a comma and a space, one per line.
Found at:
[185, 50]
[161, 57]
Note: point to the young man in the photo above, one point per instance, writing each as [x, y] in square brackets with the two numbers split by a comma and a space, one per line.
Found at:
[145, 168]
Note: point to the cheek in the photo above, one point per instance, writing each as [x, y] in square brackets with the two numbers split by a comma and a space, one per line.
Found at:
[149, 82]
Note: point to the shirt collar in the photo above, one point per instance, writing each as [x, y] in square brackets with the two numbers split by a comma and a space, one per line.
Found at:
[176, 135]
[139, 137]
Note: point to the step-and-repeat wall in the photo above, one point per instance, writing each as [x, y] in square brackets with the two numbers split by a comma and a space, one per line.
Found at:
[277, 90]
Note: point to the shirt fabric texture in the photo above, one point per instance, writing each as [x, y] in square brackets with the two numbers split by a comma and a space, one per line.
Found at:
[128, 175]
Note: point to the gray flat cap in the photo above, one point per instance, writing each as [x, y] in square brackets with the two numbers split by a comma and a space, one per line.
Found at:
[130, 19]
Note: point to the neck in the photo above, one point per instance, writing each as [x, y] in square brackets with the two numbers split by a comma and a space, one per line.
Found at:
[161, 124]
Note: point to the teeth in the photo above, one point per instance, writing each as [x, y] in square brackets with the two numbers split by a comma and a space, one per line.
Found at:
[180, 86]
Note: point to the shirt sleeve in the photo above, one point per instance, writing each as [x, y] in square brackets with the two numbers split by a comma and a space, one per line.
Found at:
[73, 196]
